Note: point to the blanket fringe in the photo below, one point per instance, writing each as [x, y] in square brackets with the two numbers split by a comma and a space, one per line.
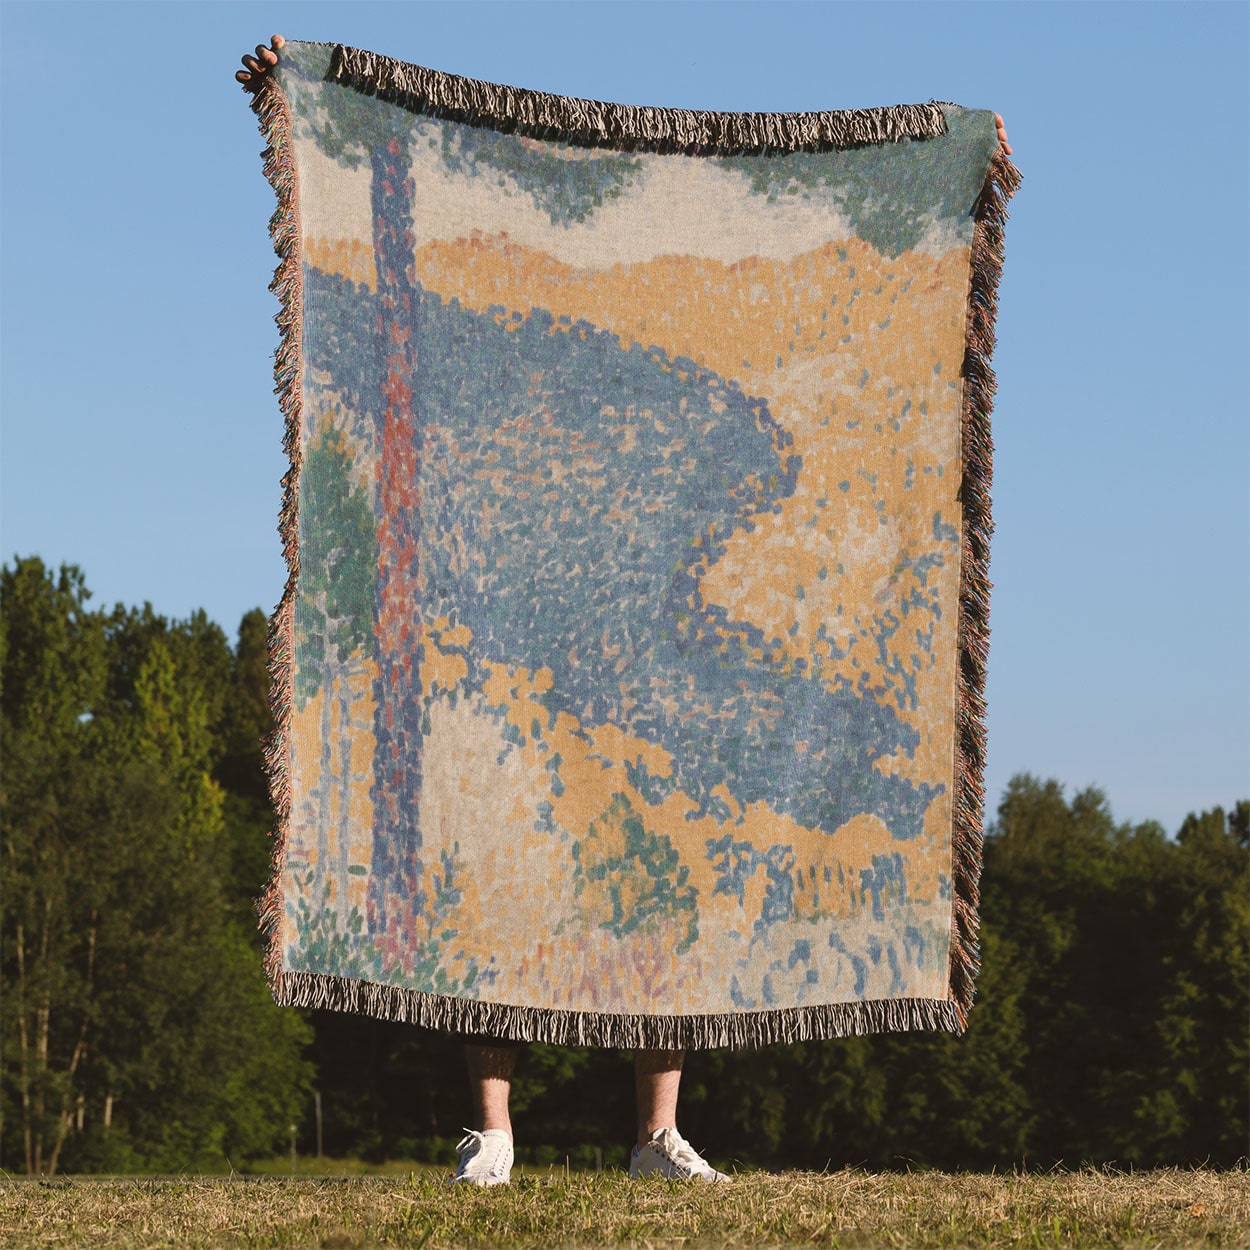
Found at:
[740, 1030]
[968, 837]
[626, 126]
[274, 115]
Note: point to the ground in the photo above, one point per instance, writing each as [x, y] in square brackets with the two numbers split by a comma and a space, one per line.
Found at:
[1174, 1208]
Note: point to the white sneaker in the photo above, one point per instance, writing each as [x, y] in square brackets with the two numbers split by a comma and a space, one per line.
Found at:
[668, 1153]
[485, 1158]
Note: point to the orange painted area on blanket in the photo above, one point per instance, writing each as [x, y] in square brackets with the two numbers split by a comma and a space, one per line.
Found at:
[348, 258]
[442, 667]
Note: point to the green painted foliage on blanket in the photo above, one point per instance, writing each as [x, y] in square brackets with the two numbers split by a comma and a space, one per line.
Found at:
[338, 941]
[891, 197]
[630, 878]
[568, 184]
[334, 613]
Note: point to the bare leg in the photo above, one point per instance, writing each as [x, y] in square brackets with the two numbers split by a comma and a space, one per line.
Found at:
[657, 1078]
[490, 1079]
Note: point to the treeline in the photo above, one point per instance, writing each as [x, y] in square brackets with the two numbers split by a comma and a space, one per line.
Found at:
[137, 1032]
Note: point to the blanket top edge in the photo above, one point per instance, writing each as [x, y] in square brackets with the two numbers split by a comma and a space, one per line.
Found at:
[627, 125]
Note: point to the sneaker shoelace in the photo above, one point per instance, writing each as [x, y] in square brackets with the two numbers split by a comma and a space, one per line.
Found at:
[477, 1146]
[682, 1153]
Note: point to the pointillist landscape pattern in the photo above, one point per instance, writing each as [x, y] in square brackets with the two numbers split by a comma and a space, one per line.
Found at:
[625, 636]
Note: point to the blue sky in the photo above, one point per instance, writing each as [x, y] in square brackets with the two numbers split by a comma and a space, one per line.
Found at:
[141, 437]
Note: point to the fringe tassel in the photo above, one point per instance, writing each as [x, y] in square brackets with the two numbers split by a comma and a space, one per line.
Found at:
[626, 126]
[1001, 183]
[272, 110]
[578, 1028]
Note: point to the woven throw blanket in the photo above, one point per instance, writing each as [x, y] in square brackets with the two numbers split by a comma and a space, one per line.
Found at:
[628, 674]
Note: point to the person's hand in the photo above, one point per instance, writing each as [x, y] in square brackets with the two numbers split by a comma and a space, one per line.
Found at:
[260, 64]
[998, 117]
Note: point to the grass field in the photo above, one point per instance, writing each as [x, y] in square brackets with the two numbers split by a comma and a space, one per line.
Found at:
[840, 1209]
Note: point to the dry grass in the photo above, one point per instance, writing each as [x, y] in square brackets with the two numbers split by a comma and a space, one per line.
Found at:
[843, 1209]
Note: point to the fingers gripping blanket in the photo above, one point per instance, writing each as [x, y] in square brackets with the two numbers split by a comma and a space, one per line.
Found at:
[628, 674]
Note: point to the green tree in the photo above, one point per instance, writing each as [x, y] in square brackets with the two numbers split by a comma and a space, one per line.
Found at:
[246, 726]
[1198, 1110]
[1133, 946]
[52, 676]
[138, 1029]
